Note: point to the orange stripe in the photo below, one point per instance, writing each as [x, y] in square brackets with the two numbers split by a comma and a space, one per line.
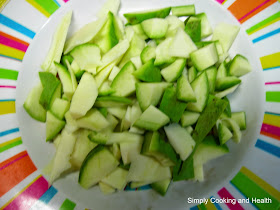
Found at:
[13, 38]
[241, 8]
[270, 135]
[14, 170]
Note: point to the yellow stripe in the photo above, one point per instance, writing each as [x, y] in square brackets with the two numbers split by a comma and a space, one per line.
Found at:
[265, 25]
[270, 61]
[210, 205]
[271, 120]
[263, 184]
[10, 142]
[38, 7]
[11, 52]
[3, 3]
[7, 107]
[13, 198]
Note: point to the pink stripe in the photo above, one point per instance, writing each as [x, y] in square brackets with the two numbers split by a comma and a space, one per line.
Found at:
[272, 83]
[223, 193]
[220, 1]
[254, 10]
[29, 196]
[7, 86]
[5, 166]
[65, 0]
[271, 129]
[12, 43]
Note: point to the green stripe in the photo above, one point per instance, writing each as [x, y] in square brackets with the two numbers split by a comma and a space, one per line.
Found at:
[49, 5]
[9, 146]
[251, 190]
[202, 206]
[263, 23]
[8, 74]
[273, 96]
[67, 205]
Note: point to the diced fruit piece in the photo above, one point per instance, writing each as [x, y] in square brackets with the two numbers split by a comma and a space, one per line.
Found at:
[54, 126]
[73, 77]
[57, 44]
[211, 75]
[84, 97]
[162, 52]
[200, 87]
[106, 189]
[189, 118]
[99, 138]
[130, 150]
[116, 151]
[150, 93]
[136, 61]
[109, 6]
[139, 31]
[62, 156]
[84, 35]
[240, 119]
[239, 66]
[148, 72]
[103, 74]
[226, 34]
[193, 28]
[162, 151]
[118, 112]
[224, 93]
[204, 57]
[161, 186]
[60, 107]
[114, 73]
[152, 119]
[112, 101]
[224, 133]
[182, 45]
[51, 89]
[114, 54]
[184, 90]
[172, 72]
[208, 118]
[207, 151]
[107, 38]
[120, 137]
[68, 57]
[155, 28]
[135, 113]
[189, 129]
[93, 120]
[184, 10]
[206, 28]
[87, 56]
[82, 147]
[65, 78]
[134, 185]
[138, 17]
[234, 127]
[226, 82]
[147, 169]
[180, 139]
[71, 123]
[124, 82]
[105, 89]
[32, 105]
[192, 72]
[173, 24]
[147, 54]
[116, 179]
[171, 106]
[222, 71]
[92, 171]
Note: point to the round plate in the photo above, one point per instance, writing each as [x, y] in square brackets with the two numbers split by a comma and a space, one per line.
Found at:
[250, 169]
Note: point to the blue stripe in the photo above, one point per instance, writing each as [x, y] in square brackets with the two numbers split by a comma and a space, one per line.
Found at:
[56, 3]
[10, 57]
[4, 133]
[146, 187]
[270, 148]
[272, 68]
[48, 195]
[272, 113]
[215, 204]
[3, 100]
[194, 208]
[16, 26]
[266, 35]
